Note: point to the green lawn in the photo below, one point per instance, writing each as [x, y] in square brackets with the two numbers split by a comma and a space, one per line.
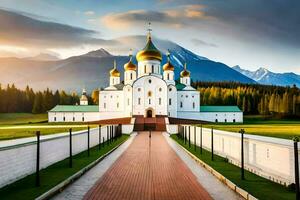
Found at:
[54, 174]
[259, 187]
[22, 118]
[20, 125]
[286, 129]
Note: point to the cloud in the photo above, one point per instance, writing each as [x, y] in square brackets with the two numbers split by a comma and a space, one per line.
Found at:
[89, 12]
[23, 31]
[198, 42]
[178, 17]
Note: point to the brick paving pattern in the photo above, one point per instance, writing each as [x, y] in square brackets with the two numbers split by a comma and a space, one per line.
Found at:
[148, 169]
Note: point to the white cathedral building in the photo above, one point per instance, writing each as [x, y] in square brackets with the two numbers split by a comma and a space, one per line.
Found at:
[148, 90]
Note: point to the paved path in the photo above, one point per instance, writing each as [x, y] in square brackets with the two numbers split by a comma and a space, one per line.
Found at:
[80, 187]
[148, 169]
[215, 188]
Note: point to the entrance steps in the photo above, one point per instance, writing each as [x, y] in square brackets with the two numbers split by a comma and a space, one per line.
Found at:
[146, 124]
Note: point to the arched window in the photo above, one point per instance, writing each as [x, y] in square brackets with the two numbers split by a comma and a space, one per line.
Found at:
[194, 105]
[55, 119]
[233, 120]
[130, 76]
[83, 119]
[64, 118]
[149, 101]
[152, 68]
[170, 89]
[104, 105]
[181, 104]
[216, 120]
[139, 101]
[168, 76]
[160, 89]
[149, 94]
[128, 102]
[139, 89]
[170, 101]
[159, 101]
[73, 119]
[118, 105]
[145, 69]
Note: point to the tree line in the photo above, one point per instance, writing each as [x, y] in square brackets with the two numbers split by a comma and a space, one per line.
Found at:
[16, 100]
[252, 98]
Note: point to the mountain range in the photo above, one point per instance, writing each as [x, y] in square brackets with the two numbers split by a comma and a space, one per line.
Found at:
[91, 70]
[264, 76]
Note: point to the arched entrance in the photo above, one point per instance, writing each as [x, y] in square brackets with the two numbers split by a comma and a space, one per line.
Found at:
[149, 113]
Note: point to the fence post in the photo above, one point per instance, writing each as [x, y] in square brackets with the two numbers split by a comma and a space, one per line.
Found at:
[201, 139]
[37, 173]
[242, 154]
[212, 143]
[70, 156]
[296, 162]
[99, 145]
[107, 134]
[195, 144]
[189, 136]
[88, 141]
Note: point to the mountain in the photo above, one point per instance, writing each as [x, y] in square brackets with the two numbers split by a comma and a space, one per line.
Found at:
[44, 57]
[91, 70]
[98, 53]
[264, 76]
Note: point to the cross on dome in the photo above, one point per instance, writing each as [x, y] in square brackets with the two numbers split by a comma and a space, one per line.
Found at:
[149, 30]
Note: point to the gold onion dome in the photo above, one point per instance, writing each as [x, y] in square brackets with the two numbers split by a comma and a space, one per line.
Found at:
[168, 65]
[185, 72]
[130, 66]
[114, 72]
[150, 52]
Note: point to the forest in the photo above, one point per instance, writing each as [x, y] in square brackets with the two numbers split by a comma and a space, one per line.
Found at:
[251, 98]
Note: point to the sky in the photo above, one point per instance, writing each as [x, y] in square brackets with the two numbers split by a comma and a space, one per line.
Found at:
[252, 34]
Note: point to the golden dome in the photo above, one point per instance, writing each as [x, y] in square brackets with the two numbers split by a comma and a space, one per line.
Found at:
[168, 65]
[150, 52]
[114, 72]
[130, 66]
[185, 72]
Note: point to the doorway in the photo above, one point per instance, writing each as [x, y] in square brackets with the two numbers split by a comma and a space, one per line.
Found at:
[149, 113]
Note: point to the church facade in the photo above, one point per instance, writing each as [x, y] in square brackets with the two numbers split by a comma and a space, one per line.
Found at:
[148, 90]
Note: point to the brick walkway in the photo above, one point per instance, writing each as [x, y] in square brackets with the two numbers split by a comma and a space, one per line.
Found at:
[148, 169]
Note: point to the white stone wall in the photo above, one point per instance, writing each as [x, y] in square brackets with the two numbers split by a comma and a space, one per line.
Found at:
[172, 101]
[18, 161]
[72, 116]
[212, 116]
[141, 99]
[111, 101]
[268, 157]
[148, 66]
[188, 101]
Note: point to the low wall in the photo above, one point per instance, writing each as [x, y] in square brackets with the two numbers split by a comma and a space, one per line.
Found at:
[19, 160]
[269, 157]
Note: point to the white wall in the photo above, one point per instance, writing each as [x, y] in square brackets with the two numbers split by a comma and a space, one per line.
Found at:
[158, 89]
[268, 157]
[190, 101]
[212, 116]
[72, 116]
[147, 65]
[18, 161]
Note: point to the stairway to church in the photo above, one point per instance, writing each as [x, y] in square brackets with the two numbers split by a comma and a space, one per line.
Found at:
[149, 124]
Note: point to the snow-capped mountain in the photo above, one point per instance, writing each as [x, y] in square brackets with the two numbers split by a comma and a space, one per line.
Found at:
[91, 70]
[265, 76]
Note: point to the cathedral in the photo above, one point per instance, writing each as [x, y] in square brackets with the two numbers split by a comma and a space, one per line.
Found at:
[148, 90]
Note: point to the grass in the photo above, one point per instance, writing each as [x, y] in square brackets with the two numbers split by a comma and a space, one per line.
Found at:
[22, 118]
[21, 125]
[259, 187]
[54, 174]
[257, 125]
